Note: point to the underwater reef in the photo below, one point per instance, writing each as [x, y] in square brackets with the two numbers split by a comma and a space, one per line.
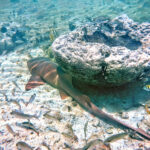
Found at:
[12, 35]
[105, 52]
[63, 124]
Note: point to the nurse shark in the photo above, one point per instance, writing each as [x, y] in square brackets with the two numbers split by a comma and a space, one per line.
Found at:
[43, 71]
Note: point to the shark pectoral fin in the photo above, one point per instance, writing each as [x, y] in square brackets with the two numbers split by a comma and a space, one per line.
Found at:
[63, 95]
[33, 82]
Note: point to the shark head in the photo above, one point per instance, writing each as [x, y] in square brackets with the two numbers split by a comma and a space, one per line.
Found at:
[42, 71]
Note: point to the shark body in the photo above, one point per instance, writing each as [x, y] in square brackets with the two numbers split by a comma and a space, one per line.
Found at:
[43, 71]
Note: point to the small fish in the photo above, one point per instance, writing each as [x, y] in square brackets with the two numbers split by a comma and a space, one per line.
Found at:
[14, 82]
[9, 128]
[31, 99]
[28, 125]
[55, 116]
[85, 130]
[147, 87]
[22, 115]
[115, 137]
[23, 146]
[53, 34]
[135, 136]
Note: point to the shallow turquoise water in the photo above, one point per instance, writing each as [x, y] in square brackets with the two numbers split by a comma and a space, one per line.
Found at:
[37, 17]
[41, 14]
[136, 9]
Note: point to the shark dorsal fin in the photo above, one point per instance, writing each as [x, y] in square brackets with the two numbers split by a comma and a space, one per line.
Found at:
[33, 82]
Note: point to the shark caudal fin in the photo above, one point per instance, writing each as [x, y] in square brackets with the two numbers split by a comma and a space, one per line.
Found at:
[33, 82]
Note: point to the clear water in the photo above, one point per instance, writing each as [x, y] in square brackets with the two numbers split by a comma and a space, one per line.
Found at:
[37, 17]
[38, 23]
[41, 15]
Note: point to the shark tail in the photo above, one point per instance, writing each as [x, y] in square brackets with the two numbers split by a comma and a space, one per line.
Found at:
[85, 102]
[104, 116]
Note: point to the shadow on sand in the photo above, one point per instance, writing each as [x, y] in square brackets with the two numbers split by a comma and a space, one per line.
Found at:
[117, 99]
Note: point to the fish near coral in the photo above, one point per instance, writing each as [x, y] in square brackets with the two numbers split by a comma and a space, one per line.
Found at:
[147, 87]
[52, 35]
[43, 71]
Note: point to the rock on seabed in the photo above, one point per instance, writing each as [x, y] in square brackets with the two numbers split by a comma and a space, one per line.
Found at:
[105, 52]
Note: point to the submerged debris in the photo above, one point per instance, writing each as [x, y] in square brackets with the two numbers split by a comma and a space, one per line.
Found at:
[10, 129]
[116, 137]
[147, 109]
[109, 130]
[23, 146]
[69, 133]
[21, 115]
[17, 103]
[55, 115]
[95, 145]
[46, 145]
[31, 99]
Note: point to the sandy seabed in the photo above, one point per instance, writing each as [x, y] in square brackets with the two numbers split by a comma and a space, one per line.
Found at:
[66, 122]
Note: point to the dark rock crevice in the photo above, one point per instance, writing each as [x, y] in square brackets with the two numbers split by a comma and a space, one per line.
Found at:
[122, 40]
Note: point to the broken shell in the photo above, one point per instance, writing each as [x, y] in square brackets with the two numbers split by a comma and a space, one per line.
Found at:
[109, 130]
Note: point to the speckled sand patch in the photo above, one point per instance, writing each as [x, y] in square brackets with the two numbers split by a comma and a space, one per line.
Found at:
[66, 124]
